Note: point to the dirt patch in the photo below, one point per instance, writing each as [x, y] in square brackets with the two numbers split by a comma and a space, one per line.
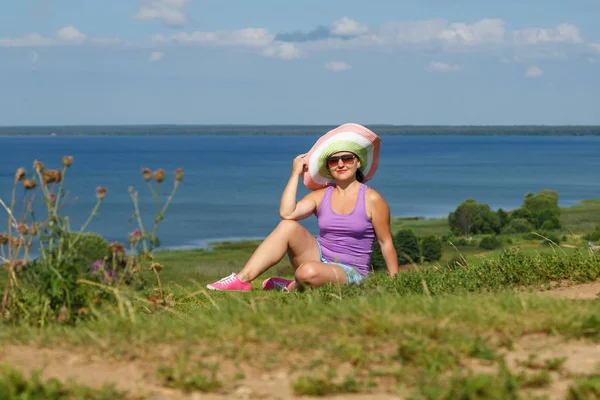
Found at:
[561, 359]
[534, 353]
[138, 377]
[584, 291]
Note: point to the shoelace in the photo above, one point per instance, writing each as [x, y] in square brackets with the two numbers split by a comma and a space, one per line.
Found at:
[279, 285]
[227, 279]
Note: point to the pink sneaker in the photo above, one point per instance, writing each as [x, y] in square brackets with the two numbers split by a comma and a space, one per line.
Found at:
[231, 283]
[276, 284]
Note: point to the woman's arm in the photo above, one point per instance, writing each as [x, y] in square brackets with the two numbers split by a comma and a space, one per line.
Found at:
[288, 207]
[380, 217]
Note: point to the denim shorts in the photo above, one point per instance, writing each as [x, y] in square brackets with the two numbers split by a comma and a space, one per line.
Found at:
[353, 277]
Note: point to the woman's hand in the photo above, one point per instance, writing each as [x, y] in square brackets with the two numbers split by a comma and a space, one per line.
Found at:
[299, 165]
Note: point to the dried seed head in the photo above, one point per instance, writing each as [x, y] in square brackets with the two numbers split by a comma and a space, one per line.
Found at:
[51, 176]
[20, 174]
[135, 236]
[34, 230]
[4, 238]
[101, 192]
[156, 266]
[29, 183]
[63, 315]
[147, 174]
[179, 174]
[116, 247]
[23, 229]
[67, 161]
[131, 190]
[159, 175]
[51, 197]
[38, 166]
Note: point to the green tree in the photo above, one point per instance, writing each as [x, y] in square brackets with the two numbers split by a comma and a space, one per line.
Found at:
[503, 217]
[407, 246]
[472, 217]
[518, 225]
[431, 248]
[544, 209]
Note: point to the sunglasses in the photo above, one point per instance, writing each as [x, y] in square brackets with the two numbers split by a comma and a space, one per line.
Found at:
[347, 159]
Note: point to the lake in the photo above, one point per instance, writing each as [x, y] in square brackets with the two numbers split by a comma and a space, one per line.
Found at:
[232, 184]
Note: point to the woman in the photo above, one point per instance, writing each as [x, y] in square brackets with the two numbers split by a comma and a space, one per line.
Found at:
[350, 215]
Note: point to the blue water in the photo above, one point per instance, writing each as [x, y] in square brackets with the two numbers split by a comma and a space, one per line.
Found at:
[232, 184]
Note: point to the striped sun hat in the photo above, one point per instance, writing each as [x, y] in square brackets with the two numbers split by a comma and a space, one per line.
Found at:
[350, 137]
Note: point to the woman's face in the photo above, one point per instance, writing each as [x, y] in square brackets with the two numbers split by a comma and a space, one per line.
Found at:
[343, 165]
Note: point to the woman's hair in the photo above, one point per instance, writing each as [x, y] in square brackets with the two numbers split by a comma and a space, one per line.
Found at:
[360, 176]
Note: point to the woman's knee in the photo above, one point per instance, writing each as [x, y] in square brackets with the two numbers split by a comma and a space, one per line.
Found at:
[307, 272]
[289, 226]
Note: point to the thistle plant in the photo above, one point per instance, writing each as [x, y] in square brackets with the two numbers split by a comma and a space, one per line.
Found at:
[49, 286]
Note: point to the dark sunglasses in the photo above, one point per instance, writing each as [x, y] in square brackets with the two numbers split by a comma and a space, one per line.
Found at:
[348, 159]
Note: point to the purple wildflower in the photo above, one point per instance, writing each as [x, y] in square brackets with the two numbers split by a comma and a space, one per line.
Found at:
[108, 276]
[97, 266]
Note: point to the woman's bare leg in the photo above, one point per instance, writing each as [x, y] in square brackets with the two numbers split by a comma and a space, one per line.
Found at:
[315, 274]
[288, 237]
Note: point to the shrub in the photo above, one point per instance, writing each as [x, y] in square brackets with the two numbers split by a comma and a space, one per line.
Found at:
[490, 243]
[54, 286]
[518, 225]
[472, 217]
[431, 248]
[595, 235]
[457, 262]
[407, 247]
[549, 237]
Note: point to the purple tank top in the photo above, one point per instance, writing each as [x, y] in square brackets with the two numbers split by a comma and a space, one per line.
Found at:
[346, 238]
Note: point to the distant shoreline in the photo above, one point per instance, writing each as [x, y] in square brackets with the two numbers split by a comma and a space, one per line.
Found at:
[287, 130]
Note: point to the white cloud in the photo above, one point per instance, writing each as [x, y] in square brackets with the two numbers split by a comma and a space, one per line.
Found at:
[436, 66]
[70, 34]
[595, 46]
[348, 27]
[486, 30]
[564, 33]
[171, 12]
[29, 40]
[534, 72]
[284, 51]
[253, 37]
[156, 56]
[337, 66]
[411, 31]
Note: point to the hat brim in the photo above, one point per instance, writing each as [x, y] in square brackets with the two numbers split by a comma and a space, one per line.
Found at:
[349, 137]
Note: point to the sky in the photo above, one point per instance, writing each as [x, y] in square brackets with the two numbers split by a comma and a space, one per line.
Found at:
[409, 62]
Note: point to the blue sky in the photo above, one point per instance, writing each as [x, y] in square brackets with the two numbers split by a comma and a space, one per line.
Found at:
[426, 62]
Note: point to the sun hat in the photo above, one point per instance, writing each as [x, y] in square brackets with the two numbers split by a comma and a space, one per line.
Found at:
[350, 137]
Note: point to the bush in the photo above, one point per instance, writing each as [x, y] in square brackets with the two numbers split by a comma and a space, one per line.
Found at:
[550, 237]
[518, 225]
[89, 247]
[431, 248]
[490, 243]
[472, 217]
[58, 284]
[407, 247]
[456, 262]
[593, 236]
[377, 261]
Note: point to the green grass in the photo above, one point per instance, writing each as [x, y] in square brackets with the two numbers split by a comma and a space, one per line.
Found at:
[15, 386]
[581, 217]
[409, 335]
[421, 227]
